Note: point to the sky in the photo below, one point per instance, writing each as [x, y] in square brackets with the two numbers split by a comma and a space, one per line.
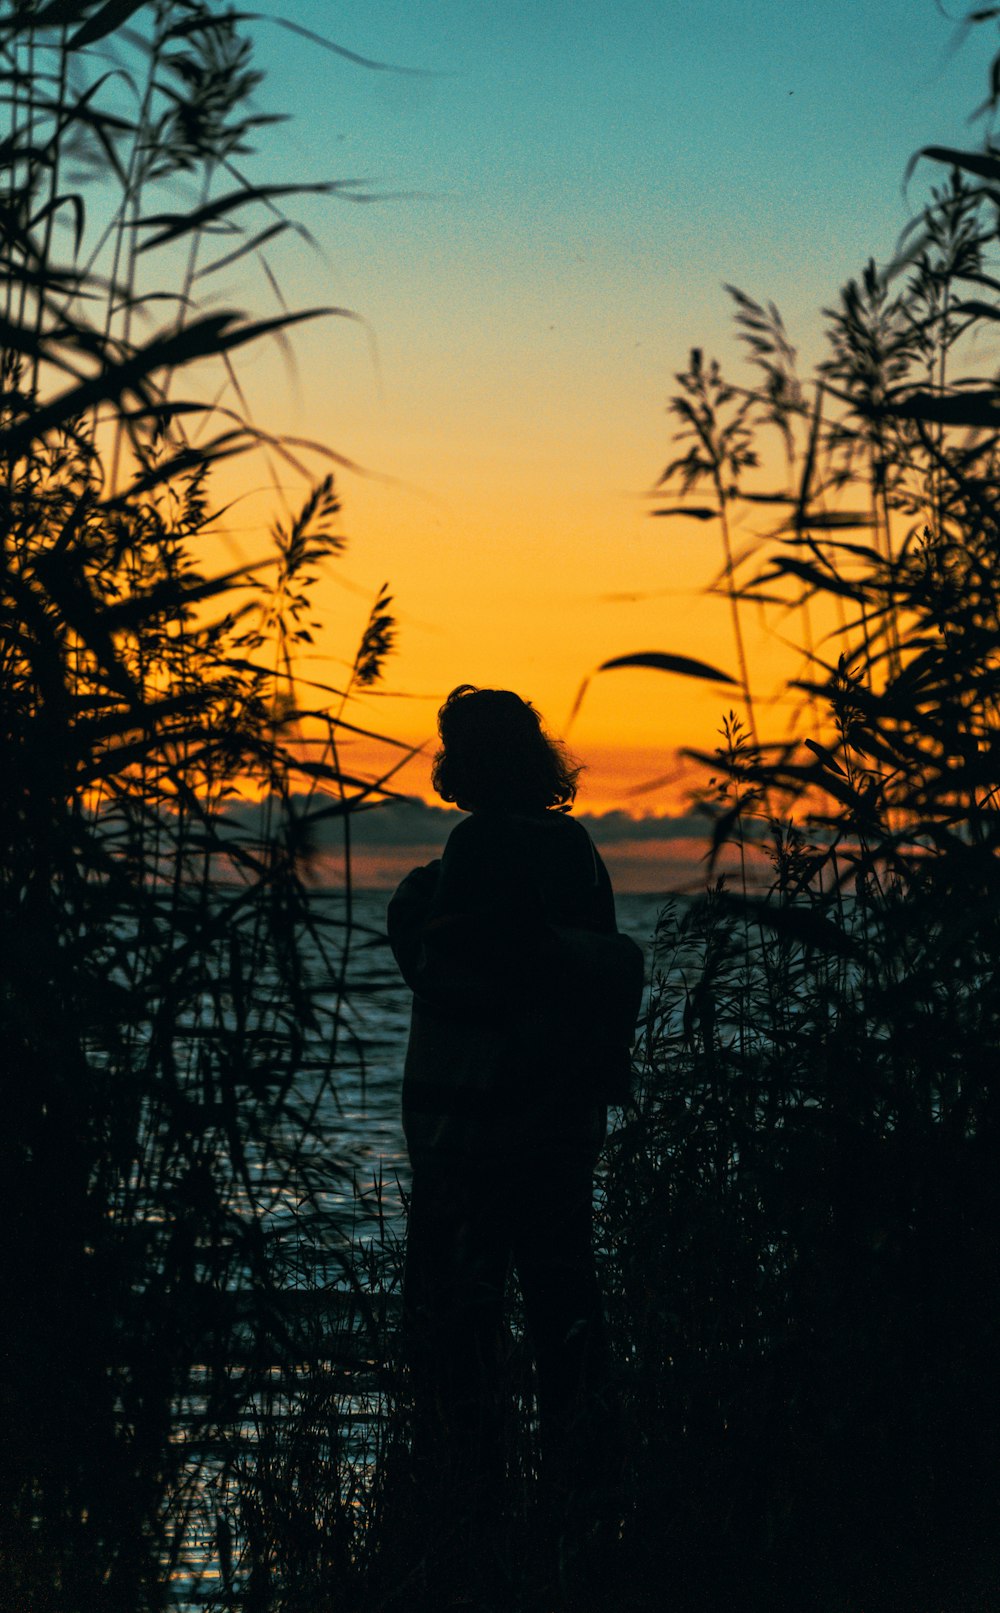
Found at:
[564, 188]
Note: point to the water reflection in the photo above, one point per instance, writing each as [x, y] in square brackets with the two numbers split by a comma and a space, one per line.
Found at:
[304, 1433]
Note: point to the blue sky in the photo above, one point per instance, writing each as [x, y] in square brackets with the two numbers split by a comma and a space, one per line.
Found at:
[572, 183]
[633, 154]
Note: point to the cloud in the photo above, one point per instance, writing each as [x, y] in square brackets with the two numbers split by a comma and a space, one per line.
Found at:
[611, 828]
[412, 822]
[651, 853]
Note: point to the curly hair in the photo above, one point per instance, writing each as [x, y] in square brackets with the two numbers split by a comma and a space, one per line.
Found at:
[495, 753]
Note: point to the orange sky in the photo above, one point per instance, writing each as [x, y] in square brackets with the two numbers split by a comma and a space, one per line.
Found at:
[572, 200]
[549, 586]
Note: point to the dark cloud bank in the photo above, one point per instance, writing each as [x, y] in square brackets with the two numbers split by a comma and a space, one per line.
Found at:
[411, 822]
[414, 823]
[389, 838]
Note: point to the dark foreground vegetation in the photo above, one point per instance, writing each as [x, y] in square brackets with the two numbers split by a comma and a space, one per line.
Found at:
[803, 1213]
[801, 1208]
[166, 1158]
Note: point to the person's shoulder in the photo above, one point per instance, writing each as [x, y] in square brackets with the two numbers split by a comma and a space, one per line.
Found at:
[490, 828]
[467, 831]
[565, 825]
[487, 825]
[417, 886]
[420, 878]
[472, 835]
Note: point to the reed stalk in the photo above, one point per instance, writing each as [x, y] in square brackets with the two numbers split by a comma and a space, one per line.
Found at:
[171, 991]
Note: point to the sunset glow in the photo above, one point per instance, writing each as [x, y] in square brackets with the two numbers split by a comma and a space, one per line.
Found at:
[569, 195]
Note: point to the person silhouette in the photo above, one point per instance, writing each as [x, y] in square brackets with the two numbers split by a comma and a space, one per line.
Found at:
[525, 998]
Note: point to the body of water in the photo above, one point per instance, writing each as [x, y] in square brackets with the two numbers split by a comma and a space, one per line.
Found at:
[368, 1176]
[370, 1078]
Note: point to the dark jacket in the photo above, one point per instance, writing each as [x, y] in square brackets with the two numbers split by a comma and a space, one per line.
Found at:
[525, 996]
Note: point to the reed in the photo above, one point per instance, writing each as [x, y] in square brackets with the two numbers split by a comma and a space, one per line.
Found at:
[801, 1209]
[173, 1000]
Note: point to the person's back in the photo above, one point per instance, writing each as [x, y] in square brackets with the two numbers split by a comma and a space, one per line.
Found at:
[524, 1001]
[503, 1055]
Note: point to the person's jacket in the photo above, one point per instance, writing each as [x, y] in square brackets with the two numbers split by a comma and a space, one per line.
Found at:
[525, 995]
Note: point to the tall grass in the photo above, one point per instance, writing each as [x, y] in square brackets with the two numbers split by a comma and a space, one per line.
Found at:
[173, 1001]
[802, 1210]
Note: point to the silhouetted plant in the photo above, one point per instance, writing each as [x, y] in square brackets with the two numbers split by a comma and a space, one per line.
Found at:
[173, 996]
[802, 1209]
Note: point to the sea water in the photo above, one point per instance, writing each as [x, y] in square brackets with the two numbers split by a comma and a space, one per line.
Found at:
[368, 1178]
[369, 1077]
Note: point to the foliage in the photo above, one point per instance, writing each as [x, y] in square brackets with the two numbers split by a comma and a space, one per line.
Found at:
[173, 997]
[802, 1210]
[799, 1224]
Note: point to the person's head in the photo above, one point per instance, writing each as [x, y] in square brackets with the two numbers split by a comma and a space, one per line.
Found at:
[495, 753]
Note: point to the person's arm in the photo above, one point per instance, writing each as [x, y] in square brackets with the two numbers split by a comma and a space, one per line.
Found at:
[406, 917]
